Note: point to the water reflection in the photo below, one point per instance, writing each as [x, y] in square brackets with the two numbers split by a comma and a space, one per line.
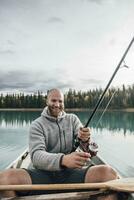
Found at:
[115, 137]
[109, 134]
[14, 129]
[111, 120]
[20, 118]
[114, 121]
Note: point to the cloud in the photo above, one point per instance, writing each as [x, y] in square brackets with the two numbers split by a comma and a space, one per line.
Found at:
[99, 2]
[26, 81]
[7, 47]
[10, 42]
[5, 52]
[55, 20]
[14, 80]
[32, 81]
[92, 81]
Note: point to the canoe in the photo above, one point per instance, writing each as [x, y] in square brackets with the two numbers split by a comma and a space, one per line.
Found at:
[23, 161]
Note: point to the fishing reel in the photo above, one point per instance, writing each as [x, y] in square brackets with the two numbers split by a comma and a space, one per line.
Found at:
[89, 147]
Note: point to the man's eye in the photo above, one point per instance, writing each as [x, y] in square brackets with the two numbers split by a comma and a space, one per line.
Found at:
[54, 101]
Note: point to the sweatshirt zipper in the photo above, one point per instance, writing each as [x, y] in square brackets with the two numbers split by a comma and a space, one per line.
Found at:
[64, 138]
[59, 134]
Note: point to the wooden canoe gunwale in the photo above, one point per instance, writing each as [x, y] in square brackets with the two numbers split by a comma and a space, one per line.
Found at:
[18, 162]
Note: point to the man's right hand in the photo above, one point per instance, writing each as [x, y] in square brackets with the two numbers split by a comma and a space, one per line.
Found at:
[75, 159]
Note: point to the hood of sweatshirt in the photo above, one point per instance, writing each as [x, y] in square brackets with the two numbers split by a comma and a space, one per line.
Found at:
[46, 114]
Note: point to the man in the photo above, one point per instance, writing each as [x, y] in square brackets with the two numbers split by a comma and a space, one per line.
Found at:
[51, 142]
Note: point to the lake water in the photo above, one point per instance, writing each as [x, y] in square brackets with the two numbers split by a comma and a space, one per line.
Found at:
[114, 135]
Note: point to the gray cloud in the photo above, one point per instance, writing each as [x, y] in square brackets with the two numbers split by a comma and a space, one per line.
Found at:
[20, 4]
[27, 81]
[5, 52]
[91, 81]
[55, 20]
[10, 42]
[6, 47]
[96, 1]
[15, 80]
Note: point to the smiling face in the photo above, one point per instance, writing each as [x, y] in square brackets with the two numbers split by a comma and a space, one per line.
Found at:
[55, 102]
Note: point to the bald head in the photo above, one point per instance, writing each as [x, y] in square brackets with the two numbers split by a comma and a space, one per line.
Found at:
[54, 91]
[55, 102]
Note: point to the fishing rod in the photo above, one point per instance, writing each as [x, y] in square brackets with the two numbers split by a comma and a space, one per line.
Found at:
[78, 142]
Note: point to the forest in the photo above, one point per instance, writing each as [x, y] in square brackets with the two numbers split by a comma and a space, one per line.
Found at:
[115, 98]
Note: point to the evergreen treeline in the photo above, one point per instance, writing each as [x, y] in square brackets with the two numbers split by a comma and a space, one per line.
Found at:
[123, 98]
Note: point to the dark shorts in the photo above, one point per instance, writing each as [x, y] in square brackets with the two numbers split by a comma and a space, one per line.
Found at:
[54, 177]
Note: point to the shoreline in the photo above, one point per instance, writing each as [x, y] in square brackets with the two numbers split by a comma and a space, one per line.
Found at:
[67, 109]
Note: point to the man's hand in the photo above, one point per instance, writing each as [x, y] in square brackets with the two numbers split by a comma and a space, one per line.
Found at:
[84, 134]
[75, 159]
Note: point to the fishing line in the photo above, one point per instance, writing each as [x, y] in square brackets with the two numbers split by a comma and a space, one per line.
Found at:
[109, 100]
[105, 108]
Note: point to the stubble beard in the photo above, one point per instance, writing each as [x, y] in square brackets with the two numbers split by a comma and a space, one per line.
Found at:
[55, 112]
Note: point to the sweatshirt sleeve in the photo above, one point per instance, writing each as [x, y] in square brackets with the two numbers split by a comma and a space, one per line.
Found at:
[40, 158]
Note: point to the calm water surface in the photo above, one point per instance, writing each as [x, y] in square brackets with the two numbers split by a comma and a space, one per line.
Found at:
[114, 135]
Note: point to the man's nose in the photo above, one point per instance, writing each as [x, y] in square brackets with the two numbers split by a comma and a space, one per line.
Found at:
[57, 104]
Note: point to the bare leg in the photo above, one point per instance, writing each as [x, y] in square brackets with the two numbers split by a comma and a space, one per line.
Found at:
[13, 177]
[101, 173]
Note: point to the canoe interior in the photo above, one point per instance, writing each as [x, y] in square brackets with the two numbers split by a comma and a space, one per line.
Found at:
[23, 161]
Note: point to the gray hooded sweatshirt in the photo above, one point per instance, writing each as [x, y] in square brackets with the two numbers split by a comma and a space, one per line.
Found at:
[51, 138]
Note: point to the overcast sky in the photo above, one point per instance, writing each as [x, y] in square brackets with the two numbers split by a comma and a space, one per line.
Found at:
[64, 43]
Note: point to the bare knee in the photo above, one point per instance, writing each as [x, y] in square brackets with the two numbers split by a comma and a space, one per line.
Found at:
[107, 172]
[14, 177]
[100, 173]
